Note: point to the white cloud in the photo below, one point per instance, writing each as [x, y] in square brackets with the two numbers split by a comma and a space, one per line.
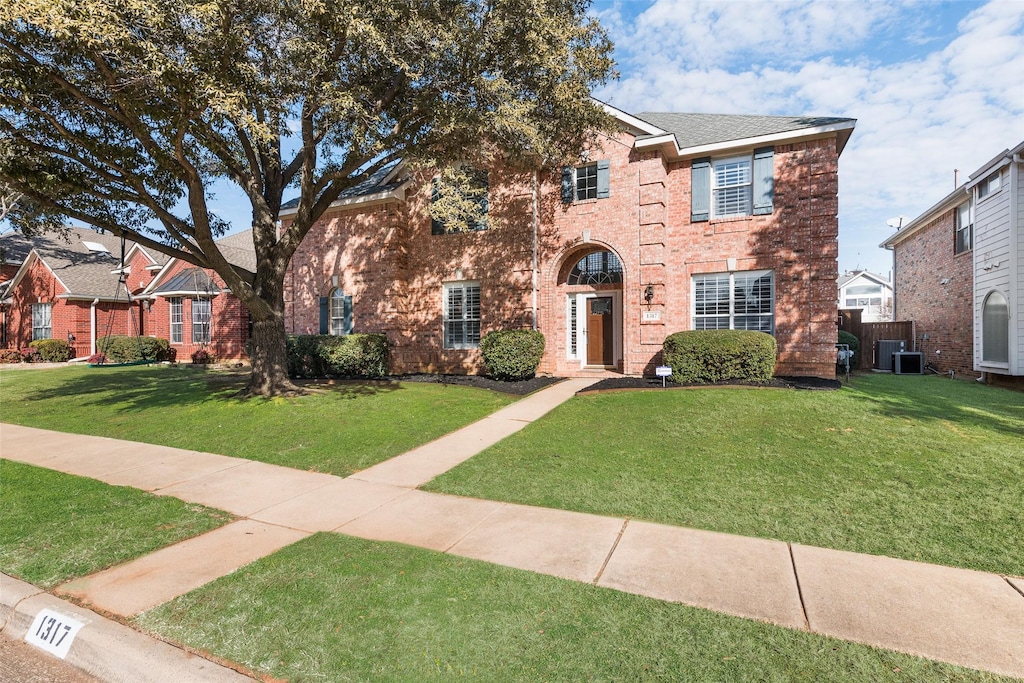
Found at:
[954, 103]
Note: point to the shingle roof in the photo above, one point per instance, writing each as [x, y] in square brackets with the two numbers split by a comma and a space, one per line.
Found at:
[847, 277]
[694, 130]
[14, 247]
[239, 250]
[372, 185]
[83, 271]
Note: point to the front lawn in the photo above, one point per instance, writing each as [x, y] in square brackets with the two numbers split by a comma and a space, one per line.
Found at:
[55, 526]
[344, 428]
[334, 608]
[921, 468]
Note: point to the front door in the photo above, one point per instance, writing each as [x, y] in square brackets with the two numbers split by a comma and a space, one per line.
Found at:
[600, 345]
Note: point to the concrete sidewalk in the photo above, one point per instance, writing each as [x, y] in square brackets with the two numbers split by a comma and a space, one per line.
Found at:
[965, 617]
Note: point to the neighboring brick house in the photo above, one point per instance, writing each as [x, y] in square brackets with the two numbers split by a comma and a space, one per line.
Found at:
[959, 274]
[73, 287]
[677, 222]
[193, 309]
[67, 290]
[867, 292]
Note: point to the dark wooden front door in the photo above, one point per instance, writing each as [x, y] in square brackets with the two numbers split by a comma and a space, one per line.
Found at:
[600, 345]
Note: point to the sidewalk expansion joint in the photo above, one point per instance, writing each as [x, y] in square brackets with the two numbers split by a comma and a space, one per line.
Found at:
[611, 551]
[799, 590]
[1013, 586]
[483, 519]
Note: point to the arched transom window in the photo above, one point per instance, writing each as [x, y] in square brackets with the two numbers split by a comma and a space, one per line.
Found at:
[599, 268]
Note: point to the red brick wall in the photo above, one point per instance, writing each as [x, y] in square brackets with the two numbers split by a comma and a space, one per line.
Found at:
[74, 316]
[943, 313]
[387, 260]
[229, 326]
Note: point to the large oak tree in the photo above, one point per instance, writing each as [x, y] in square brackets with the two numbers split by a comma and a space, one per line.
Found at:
[122, 114]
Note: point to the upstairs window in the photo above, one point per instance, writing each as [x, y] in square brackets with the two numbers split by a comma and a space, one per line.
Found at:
[733, 186]
[591, 181]
[41, 321]
[964, 228]
[990, 185]
[460, 210]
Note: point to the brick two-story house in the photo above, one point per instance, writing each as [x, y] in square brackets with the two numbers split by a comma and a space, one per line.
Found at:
[676, 222]
[959, 274]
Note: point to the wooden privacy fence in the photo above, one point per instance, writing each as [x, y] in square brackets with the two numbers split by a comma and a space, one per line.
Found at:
[869, 333]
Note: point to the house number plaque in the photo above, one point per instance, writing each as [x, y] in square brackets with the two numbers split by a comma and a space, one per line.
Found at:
[53, 632]
[651, 316]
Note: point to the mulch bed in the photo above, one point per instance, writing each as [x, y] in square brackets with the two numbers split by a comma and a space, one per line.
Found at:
[521, 388]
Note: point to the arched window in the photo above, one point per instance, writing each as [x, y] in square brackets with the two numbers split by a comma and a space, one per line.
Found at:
[599, 268]
[336, 313]
[995, 329]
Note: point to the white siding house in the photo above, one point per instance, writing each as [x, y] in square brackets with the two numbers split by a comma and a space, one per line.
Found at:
[868, 292]
[998, 194]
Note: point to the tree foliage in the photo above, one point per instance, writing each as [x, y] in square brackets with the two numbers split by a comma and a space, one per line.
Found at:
[122, 114]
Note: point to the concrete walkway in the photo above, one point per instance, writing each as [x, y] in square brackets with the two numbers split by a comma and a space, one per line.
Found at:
[965, 617]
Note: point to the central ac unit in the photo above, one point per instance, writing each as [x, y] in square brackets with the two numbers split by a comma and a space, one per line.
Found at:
[908, 363]
[884, 348]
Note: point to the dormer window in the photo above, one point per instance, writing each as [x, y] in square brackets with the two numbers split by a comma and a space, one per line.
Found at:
[990, 185]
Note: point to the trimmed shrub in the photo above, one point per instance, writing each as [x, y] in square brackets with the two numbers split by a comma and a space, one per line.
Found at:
[10, 356]
[201, 357]
[52, 350]
[30, 355]
[512, 355]
[847, 338]
[327, 355]
[124, 349]
[704, 356]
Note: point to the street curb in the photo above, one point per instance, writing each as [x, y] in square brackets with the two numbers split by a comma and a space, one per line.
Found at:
[104, 648]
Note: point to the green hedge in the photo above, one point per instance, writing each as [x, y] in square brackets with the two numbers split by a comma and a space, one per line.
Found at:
[512, 355]
[326, 355]
[847, 338]
[124, 349]
[704, 356]
[52, 350]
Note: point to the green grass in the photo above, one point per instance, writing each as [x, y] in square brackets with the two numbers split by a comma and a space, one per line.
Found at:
[344, 428]
[54, 526]
[332, 608]
[922, 468]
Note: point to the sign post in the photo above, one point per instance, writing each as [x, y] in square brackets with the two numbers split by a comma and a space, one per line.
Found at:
[663, 371]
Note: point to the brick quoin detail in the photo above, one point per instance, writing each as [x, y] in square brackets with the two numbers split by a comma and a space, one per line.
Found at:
[386, 258]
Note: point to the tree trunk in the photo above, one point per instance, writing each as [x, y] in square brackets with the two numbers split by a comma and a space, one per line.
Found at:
[269, 357]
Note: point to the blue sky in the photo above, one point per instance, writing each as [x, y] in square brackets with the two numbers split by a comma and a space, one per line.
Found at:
[934, 86]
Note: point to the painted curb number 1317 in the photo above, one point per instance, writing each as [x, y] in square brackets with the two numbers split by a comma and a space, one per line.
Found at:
[53, 632]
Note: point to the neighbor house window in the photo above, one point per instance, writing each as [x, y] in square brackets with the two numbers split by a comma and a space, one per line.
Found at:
[41, 326]
[995, 329]
[200, 321]
[964, 228]
[990, 185]
[461, 315]
[177, 319]
[742, 185]
[467, 211]
[590, 181]
[734, 301]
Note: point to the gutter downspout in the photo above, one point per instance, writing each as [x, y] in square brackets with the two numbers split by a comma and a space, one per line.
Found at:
[92, 327]
[535, 219]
